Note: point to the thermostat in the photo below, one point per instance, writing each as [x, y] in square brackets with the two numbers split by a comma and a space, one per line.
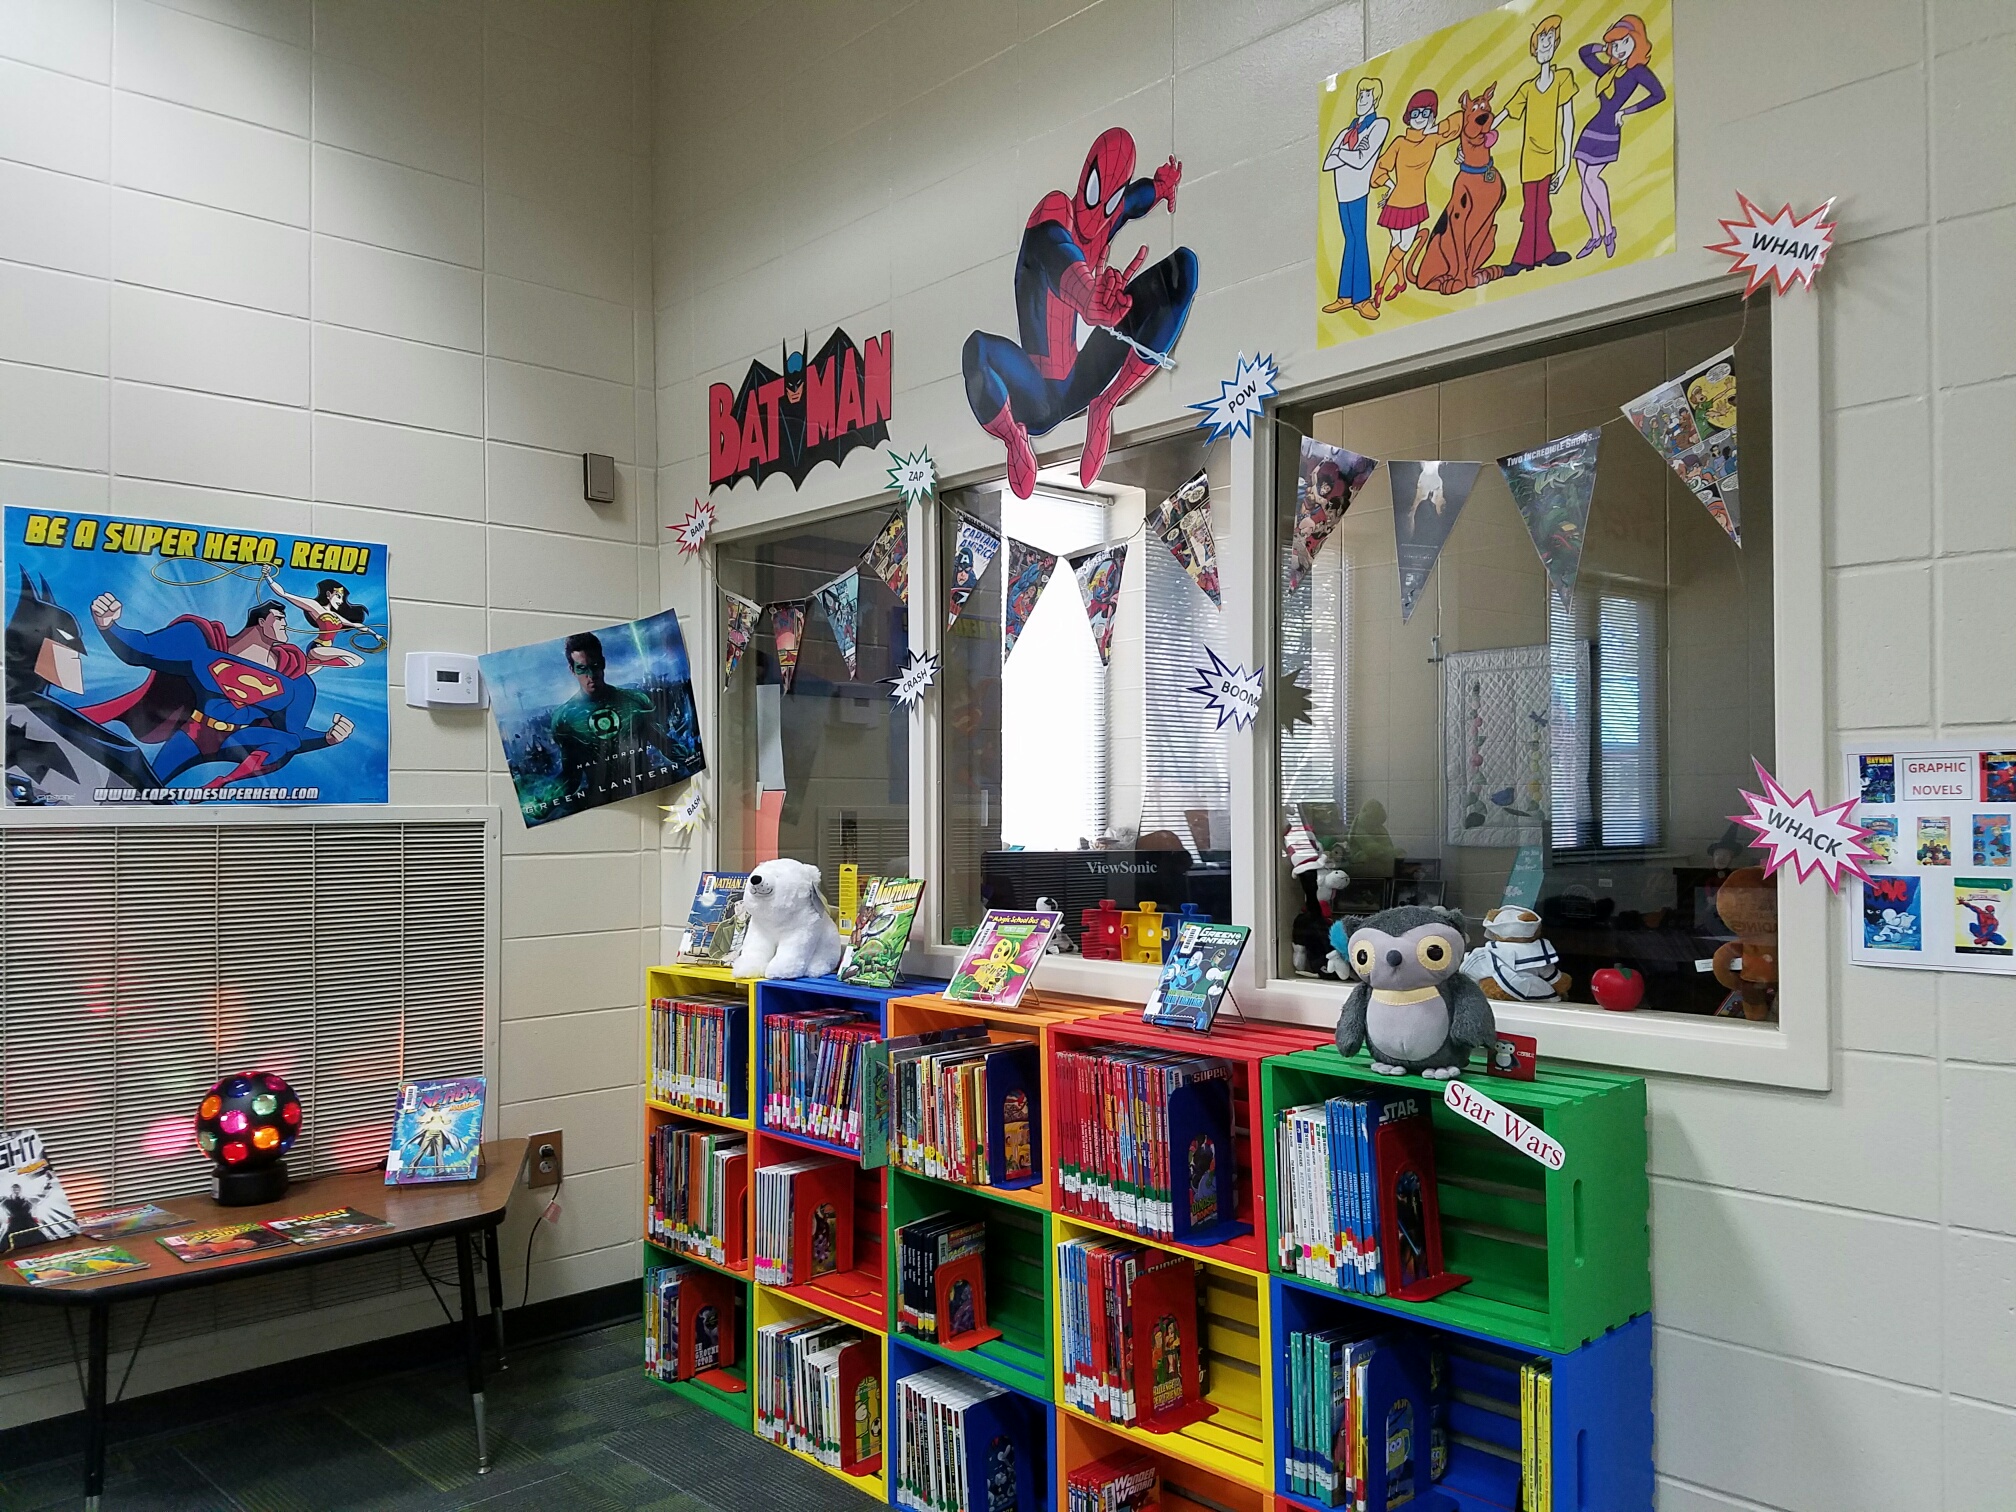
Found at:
[435, 678]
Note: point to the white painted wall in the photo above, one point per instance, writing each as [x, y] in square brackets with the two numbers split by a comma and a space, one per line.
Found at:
[379, 269]
[1835, 1274]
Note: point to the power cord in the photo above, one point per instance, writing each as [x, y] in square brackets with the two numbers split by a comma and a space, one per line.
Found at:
[551, 1214]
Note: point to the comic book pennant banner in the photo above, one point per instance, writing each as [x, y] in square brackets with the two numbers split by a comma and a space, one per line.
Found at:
[1028, 575]
[841, 599]
[1691, 422]
[739, 619]
[1552, 486]
[888, 555]
[1325, 485]
[973, 552]
[1427, 498]
[787, 628]
[1098, 573]
[1183, 522]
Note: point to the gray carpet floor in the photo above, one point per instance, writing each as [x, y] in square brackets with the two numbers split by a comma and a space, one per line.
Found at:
[574, 1427]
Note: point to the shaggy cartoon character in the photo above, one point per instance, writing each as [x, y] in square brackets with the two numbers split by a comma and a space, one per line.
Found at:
[786, 931]
[1412, 1005]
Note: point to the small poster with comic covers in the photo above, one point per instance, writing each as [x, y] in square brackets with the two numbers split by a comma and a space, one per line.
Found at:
[32, 1202]
[595, 717]
[152, 662]
[882, 924]
[1196, 977]
[1006, 949]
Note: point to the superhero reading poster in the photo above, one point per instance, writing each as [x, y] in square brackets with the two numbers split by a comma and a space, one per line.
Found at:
[1088, 334]
[820, 408]
[595, 717]
[164, 663]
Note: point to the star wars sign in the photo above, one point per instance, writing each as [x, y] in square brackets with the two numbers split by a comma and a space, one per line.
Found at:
[1495, 1118]
[820, 408]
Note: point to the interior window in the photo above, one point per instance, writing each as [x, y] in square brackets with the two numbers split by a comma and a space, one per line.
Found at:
[1064, 777]
[1513, 745]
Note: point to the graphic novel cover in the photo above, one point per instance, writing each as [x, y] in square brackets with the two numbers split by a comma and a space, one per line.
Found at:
[1998, 776]
[118, 1223]
[1935, 840]
[1196, 976]
[32, 1203]
[1981, 915]
[437, 1134]
[1879, 779]
[882, 923]
[710, 926]
[1882, 836]
[1006, 948]
[336, 1223]
[76, 1265]
[1892, 915]
[1991, 839]
[216, 1243]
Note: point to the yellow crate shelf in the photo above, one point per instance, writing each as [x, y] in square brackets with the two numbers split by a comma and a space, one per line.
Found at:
[776, 1304]
[719, 1121]
[1237, 1441]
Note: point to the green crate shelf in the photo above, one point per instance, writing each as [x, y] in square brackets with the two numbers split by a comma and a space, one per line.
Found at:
[1556, 1258]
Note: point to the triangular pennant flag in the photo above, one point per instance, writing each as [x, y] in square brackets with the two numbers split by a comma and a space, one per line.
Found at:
[787, 627]
[1098, 574]
[888, 555]
[1691, 422]
[972, 554]
[1329, 479]
[1552, 486]
[841, 599]
[1028, 575]
[1183, 521]
[1427, 497]
[739, 619]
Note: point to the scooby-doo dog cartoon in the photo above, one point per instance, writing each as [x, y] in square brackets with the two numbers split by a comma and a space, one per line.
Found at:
[1459, 251]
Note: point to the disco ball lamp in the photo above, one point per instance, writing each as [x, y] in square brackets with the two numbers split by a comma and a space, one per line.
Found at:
[246, 1124]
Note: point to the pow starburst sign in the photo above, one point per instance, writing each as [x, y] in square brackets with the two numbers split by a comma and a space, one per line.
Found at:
[1232, 693]
[1776, 249]
[915, 476]
[915, 675]
[1798, 832]
[1240, 397]
[692, 531]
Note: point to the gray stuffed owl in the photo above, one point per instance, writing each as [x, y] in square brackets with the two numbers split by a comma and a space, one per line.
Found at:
[1413, 1005]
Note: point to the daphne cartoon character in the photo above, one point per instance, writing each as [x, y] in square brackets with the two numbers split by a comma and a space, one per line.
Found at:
[1622, 65]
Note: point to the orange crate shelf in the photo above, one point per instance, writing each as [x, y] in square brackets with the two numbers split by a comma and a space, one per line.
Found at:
[1186, 1485]
[1245, 1043]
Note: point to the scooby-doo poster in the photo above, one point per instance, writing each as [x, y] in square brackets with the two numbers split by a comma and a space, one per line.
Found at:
[1530, 145]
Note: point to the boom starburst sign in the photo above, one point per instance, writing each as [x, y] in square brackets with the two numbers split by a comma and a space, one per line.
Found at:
[1776, 249]
[1799, 832]
[1232, 693]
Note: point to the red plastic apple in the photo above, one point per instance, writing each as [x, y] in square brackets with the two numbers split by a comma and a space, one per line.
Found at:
[1618, 988]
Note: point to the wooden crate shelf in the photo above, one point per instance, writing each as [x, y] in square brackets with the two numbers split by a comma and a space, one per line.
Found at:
[738, 1406]
[1247, 1046]
[814, 995]
[1020, 1280]
[785, 1305]
[1602, 1408]
[857, 1294]
[1557, 1258]
[1187, 1486]
[1236, 1441]
[1034, 1414]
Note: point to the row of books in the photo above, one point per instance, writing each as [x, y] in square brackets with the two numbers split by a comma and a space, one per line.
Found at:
[961, 1446]
[1117, 1483]
[1353, 1401]
[1145, 1140]
[698, 1047]
[819, 1391]
[192, 1244]
[804, 1220]
[1130, 1323]
[812, 1069]
[1536, 1436]
[967, 1111]
[941, 1278]
[699, 1183]
[691, 1321]
[1355, 1184]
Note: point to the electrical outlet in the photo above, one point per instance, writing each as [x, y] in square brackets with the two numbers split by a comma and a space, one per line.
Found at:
[547, 1159]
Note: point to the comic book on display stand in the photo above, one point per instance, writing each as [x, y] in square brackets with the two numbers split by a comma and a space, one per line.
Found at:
[882, 922]
[437, 1132]
[32, 1201]
[1197, 976]
[1006, 950]
[709, 935]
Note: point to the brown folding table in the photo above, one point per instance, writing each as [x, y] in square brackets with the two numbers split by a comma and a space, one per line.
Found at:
[417, 1214]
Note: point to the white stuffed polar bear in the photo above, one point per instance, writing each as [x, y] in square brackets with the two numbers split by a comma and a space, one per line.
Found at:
[786, 931]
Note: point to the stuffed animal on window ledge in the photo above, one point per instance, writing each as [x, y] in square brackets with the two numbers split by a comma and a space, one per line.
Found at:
[1514, 965]
[1413, 1006]
[786, 930]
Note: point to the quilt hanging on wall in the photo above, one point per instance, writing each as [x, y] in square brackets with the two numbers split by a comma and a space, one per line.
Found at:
[1498, 742]
[1513, 151]
[150, 662]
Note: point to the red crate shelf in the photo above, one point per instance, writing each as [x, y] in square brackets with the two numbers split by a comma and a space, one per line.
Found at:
[860, 1294]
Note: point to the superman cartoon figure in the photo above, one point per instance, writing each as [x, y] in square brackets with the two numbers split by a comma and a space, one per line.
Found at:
[214, 695]
[1091, 334]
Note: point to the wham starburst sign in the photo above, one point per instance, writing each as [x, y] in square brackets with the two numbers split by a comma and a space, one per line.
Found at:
[1799, 832]
[1777, 249]
[692, 531]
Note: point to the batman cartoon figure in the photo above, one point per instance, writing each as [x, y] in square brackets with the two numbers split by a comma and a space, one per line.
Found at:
[54, 753]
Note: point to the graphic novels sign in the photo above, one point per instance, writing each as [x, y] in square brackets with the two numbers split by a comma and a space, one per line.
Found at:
[596, 717]
[164, 663]
[820, 408]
